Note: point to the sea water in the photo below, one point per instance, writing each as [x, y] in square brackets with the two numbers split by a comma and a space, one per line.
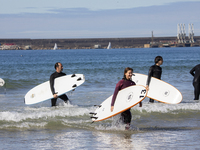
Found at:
[69, 126]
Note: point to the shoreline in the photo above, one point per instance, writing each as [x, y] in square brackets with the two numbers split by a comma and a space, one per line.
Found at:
[93, 43]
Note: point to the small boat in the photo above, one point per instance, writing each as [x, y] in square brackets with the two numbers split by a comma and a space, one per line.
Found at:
[55, 47]
[109, 45]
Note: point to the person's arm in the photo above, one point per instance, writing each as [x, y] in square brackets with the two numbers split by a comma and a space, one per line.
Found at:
[52, 86]
[117, 89]
[192, 71]
[150, 74]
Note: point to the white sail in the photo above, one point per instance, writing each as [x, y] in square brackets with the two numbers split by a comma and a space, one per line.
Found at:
[55, 46]
[109, 45]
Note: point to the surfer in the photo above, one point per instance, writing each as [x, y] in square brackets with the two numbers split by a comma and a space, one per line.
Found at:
[124, 83]
[154, 71]
[195, 72]
[58, 73]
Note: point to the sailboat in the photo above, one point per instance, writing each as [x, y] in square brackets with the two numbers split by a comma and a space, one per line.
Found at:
[55, 47]
[109, 45]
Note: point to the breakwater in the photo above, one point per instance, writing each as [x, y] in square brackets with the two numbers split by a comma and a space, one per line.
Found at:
[90, 43]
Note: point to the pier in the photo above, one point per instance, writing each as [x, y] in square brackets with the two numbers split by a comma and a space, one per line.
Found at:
[90, 43]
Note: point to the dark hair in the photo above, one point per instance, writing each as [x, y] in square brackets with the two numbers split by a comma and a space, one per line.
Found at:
[56, 65]
[157, 59]
[126, 70]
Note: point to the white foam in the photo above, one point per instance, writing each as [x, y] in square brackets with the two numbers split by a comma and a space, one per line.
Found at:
[24, 125]
[44, 113]
[167, 108]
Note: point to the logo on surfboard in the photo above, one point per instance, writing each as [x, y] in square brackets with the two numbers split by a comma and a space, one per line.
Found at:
[129, 97]
[33, 95]
[166, 93]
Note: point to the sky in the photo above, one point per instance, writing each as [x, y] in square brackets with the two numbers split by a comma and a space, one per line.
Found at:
[52, 19]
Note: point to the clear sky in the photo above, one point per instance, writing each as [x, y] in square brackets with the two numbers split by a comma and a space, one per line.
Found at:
[96, 18]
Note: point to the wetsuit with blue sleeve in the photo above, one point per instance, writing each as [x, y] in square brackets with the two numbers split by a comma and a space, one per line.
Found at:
[195, 72]
[52, 79]
[126, 115]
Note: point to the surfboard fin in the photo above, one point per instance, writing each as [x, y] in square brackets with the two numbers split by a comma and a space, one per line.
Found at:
[73, 75]
[74, 86]
[97, 105]
[94, 117]
[79, 79]
[93, 113]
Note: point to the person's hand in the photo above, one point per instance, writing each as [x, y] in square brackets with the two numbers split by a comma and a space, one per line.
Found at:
[55, 95]
[112, 107]
[140, 104]
[147, 87]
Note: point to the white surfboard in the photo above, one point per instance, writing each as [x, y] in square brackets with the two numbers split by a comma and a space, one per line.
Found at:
[62, 85]
[2, 82]
[159, 90]
[125, 99]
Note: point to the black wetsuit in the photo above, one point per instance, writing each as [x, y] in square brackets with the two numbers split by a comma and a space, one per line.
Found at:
[154, 71]
[63, 97]
[196, 81]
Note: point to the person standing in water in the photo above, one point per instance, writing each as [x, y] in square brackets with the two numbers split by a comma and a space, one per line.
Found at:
[195, 72]
[124, 83]
[154, 71]
[58, 73]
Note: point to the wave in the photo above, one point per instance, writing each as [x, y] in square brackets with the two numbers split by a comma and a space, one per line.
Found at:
[75, 116]
[168, 108]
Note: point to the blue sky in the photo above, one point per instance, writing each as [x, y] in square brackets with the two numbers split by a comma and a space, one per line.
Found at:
[96, 18]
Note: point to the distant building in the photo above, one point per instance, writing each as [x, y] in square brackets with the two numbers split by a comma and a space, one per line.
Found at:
[97, 46]
[27, 47]
[146, 45]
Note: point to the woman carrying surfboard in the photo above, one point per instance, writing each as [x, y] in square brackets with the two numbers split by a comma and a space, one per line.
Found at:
[154, 71]
[124, 83]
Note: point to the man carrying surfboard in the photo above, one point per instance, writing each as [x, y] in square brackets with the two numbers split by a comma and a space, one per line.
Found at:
[58, 73]
[154, 71]
[124, 83]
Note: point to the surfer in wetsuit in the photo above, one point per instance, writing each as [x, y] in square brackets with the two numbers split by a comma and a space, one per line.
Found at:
[154, 71]
[56, 74]
[124, 83]
[195, 72]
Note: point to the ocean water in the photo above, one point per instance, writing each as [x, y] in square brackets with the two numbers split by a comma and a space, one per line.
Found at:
[68, 126]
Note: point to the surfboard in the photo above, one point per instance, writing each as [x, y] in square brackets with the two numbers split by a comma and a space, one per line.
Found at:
[62, 85]
[159, 90]
[2, 82]
[125, 99]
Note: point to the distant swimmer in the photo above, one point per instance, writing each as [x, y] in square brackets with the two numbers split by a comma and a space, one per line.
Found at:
[124, 83]
[58, 73]
[195, 72]
[154, 71]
